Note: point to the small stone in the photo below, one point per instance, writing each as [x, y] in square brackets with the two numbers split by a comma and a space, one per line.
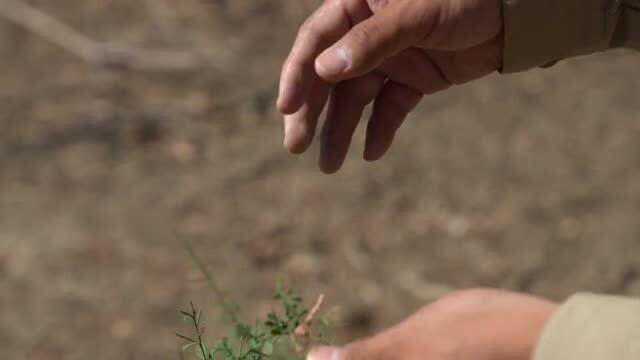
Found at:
[302, 264]
[122, 329]
[570, 228]
[371, 294]
[458, 227]
[183, 151]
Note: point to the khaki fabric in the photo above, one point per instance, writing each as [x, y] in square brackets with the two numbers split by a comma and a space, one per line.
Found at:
[593, 327]
[539, 32]
[627, 32]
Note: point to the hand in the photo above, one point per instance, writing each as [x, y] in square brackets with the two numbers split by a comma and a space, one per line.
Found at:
[468, 325]
[390, 52]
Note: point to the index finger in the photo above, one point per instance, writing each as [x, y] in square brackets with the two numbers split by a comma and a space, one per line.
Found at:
[326, 26]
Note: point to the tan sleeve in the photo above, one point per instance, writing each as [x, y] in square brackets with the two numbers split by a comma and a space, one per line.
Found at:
[627, 32]
[593, 327]
[539, 32]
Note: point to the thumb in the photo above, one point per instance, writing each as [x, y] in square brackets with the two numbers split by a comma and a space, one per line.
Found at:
[370, 349]
[326, 353]
[396, 27]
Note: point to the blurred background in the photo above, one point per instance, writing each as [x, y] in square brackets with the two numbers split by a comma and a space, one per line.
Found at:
[128, 128]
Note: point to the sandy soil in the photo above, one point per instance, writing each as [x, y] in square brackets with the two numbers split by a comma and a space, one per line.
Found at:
[528, 182]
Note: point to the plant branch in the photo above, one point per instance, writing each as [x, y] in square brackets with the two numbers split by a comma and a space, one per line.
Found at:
[100, 53]
[227, 305]
[199, 331]
[304, 329]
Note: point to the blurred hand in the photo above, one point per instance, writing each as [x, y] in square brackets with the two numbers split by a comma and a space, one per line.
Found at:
[390, 52]
[468, 325]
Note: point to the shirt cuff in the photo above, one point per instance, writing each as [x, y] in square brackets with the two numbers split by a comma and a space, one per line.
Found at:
[539, 32]
[627, 32]
[592, 327]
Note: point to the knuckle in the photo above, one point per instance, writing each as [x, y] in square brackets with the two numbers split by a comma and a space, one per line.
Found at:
[372, 40]
[306, 28]
[290, 64]
[370, 88]
[363, 90]
[364, 33]
[312, 33]
[445, 63]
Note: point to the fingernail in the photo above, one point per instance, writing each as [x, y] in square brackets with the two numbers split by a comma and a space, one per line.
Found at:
[333, 62]
[324, 353]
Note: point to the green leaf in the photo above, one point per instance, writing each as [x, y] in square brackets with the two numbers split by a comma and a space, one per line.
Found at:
[243, 331]
[267, 349]
[186, 347]
[324, 321]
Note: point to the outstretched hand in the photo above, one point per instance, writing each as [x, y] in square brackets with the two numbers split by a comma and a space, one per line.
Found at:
[468, 325]
[350, 53]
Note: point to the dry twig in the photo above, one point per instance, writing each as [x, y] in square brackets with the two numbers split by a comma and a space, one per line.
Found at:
[100, 53]
[304, 329]
[301, 337]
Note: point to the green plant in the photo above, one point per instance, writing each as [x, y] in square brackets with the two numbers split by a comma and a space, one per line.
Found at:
[284, 334]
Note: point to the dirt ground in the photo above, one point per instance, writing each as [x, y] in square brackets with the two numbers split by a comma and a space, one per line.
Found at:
[528, 182]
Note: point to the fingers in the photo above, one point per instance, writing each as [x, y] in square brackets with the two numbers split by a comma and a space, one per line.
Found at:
[391, 108]
[331, 21]
[414, 68]
[394, 28]
[411, 74]
[346, 105]
[300, 127]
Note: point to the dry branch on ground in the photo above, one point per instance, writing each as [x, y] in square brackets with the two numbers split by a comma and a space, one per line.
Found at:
[102, 53]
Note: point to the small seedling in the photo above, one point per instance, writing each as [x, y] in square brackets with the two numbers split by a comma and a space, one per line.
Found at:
[283, 335]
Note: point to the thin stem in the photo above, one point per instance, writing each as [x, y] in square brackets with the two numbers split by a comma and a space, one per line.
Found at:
[222, 297]
[196, 323]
